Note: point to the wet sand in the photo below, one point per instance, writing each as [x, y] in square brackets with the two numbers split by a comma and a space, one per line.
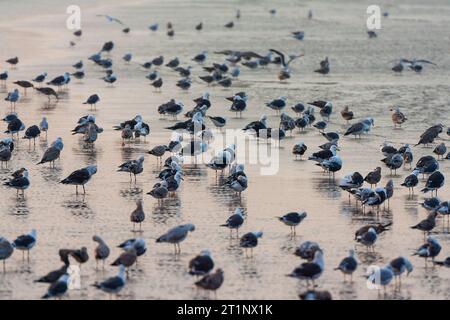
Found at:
[360, 77]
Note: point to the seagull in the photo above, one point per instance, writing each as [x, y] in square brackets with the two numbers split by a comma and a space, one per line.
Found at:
[293, 219]
[127, 258]
[299, 149]
[430, 249]
[25, 242]
[324, 154]
[299, 35]
[285, 72]
[160, 190]
[138, 244]
[4, 77]
[411, 181]
[315, 295]
[113, 285]
[399, 266]
[201, 264]
[127, 57]
[348, 265]
[50, 155]
[6, 148]
[102, 250]
[80, 177]
[15, 126]
[32, 132]
[277, 104]
[212, 281]
[134, 167]
[256, 126]
[393, 162]
[176, 235]
[368, 238]
[92, 100]
[434, 182]
[219, 122]
[324, 67]
[239, 104]
[440, 150]
[6, 250]
[427, 165]
[58, 288]
[80, 255]
[310, 271]
[20, 183]
[350, 182]
[427, 224]
[250, 241]
[153, 27]
[138, 215]
[380, 275]
[201, 57]
[13, 97]
[54, 275]
[379, 228]
[326, 108]
[331, 165]
[307, 250]
[110, 78]
[60, 80]
[359, 128]
[43, 126]
[235, 221]
[175, 62]
[159, 151]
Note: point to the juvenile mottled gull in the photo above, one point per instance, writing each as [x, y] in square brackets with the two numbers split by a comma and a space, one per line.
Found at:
[138, 215]
[211, 281]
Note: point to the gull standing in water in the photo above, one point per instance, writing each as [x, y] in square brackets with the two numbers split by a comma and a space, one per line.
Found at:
[235, 221]
[250, 241]
[58, 288]
[430, 249]
[138, 215]
[80, 177]
[293, 219]
[43, 126]
[411, 181]
[201, 264]
[348, 265]
[434, 182]
[50, 155]
[102, 251]
[310, 271]
[113, 285]
[25, 242]
[368, 238]
[176, 235]
[20, 183]
[211, 281]
[299, 149]
[134, 167]
[6, 250]
[399, 266]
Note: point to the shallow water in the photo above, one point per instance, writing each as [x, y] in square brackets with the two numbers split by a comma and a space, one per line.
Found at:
[360, 77]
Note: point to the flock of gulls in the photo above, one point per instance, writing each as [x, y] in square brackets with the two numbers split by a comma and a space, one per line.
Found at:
[200, 128]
